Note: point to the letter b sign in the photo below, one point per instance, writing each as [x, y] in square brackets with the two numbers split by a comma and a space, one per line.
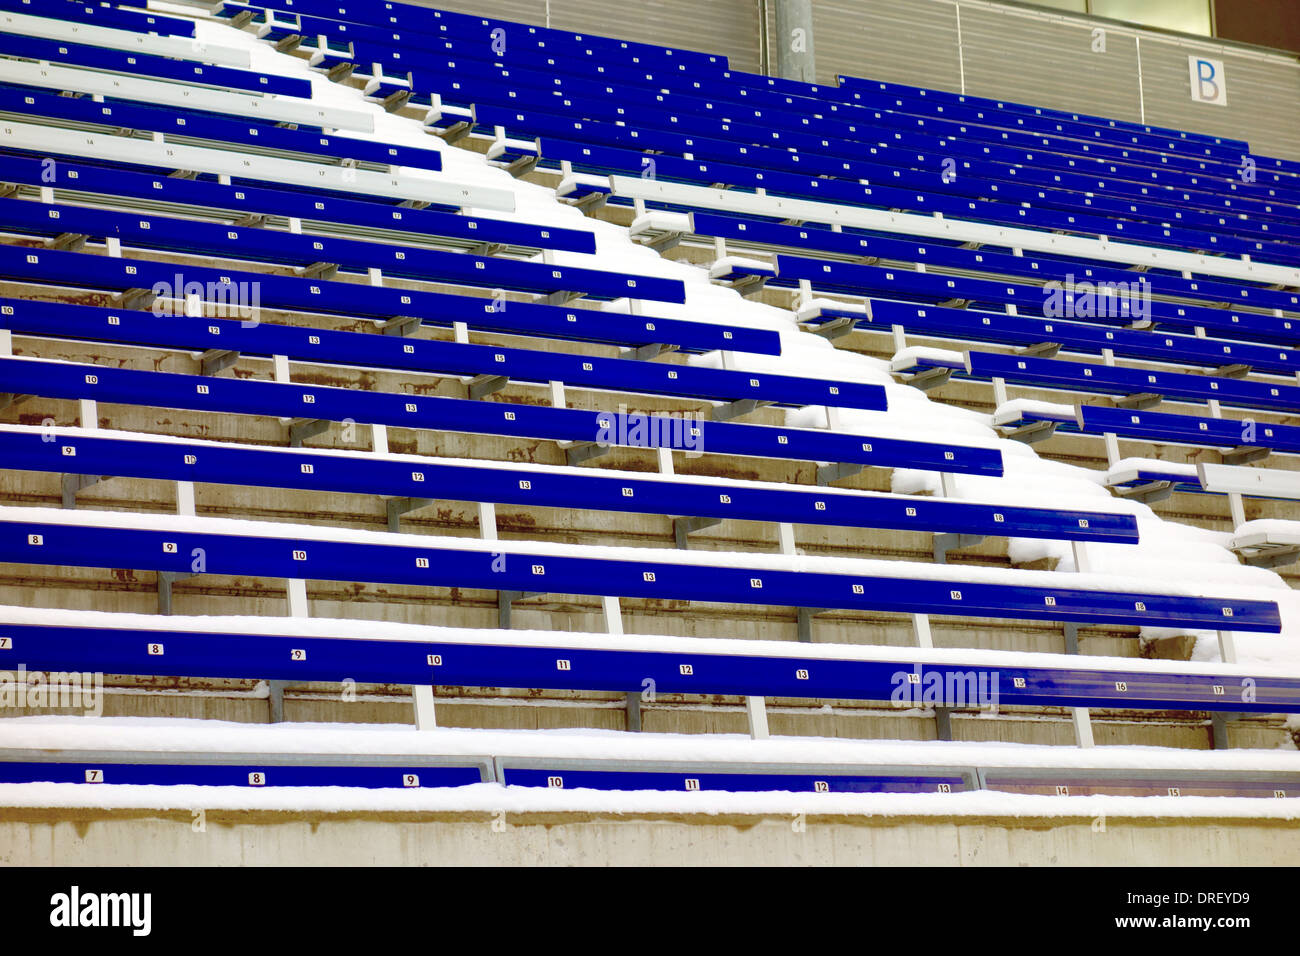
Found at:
[1209, 81]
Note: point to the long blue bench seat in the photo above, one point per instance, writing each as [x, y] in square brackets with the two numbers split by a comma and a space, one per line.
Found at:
[185, 546]
[82, 270]
[319, 346]
[73, 381]
[187, 125]
[969, 325]
[1162, 428]
[810, 238]
[370, 653]
[107, 454]
[351, 255]
[1196, 431]
[1060, 375]
[251, 199]
[154, 67]
[244, 770]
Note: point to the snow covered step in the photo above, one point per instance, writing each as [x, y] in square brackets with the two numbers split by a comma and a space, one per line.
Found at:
[1268, 543]
[1150, 480]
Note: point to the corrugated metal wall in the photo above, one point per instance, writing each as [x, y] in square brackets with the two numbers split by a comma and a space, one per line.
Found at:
[985, 48]
[898, 41]
[523, 11]
[1048, 63]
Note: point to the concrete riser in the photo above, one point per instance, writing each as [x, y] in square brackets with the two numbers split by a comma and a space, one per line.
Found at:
[207, 837]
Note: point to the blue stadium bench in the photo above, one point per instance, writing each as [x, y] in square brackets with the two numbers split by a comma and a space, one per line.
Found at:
[1047, 335]
[450, 657]
[39, 536]
[164, 769]
[223, 340]
[103, 454]
[1133, 384]
[79, 270]
[312, 403]
[1245, 440]
[729, 778]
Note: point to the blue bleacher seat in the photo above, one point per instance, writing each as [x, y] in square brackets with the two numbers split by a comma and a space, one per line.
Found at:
[1242, 438]
[202, 647]
[1055, 374]
[27, 537]
[263, 770]
[1030, 331]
